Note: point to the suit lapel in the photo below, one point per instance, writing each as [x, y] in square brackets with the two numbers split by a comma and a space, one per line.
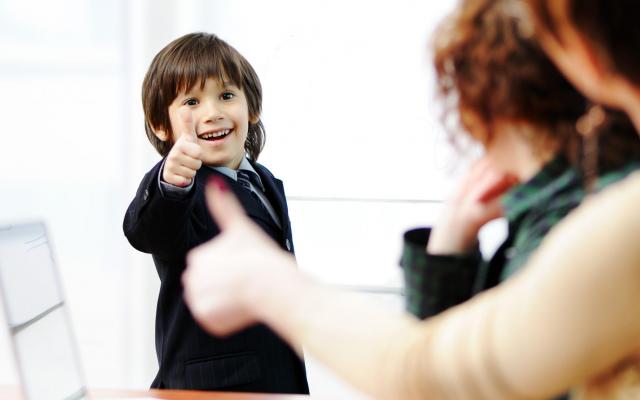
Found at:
[274, 190]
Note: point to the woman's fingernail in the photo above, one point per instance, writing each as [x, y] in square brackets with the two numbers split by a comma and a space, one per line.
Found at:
[218, 183]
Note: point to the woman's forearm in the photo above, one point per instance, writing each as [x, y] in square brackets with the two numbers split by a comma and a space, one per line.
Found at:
[570, 315]
[356, 339]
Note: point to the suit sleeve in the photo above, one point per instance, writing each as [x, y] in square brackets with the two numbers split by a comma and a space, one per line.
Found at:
[158, 224]
[279, 201]
[434, 283]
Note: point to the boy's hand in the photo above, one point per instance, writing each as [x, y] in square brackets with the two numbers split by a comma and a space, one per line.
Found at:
[476, 203]
[183, 160]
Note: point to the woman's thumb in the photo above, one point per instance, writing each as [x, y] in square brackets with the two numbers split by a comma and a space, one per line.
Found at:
[223, 205]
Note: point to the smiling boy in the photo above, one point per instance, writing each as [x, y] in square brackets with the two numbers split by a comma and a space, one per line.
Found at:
[202, 103]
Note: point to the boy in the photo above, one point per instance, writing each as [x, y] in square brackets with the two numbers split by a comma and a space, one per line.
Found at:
[202, 104]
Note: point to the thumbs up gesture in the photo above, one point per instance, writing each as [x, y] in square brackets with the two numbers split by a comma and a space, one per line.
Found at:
[226, 278]
[184, 159]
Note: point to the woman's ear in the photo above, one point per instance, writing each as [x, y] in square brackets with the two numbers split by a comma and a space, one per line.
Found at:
[254, 119]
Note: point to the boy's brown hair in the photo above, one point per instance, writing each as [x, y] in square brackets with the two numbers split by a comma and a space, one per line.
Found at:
[190, 60]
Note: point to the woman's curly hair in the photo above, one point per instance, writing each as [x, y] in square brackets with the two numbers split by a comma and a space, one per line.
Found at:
[488, 64]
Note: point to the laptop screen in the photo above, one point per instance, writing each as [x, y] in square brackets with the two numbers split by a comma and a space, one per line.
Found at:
[36, 316]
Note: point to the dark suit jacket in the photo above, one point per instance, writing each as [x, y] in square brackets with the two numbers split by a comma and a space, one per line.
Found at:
[255, 359]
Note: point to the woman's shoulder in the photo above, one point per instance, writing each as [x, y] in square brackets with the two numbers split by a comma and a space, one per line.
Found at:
[620, 197]
[615, 211]
[604, 227]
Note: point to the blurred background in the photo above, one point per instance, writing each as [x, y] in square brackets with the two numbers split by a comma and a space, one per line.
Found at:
[352, 130]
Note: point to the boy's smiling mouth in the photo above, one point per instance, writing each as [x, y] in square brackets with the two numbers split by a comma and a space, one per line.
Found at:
[214, 135]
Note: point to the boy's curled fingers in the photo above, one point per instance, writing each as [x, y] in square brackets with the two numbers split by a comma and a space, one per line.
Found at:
[192, 150]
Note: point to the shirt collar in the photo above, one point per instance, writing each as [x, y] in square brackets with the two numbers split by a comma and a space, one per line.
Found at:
[550, 181]
[233, 174]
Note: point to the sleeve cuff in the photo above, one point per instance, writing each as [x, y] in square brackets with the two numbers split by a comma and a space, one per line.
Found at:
[434, 283]
[170, 191]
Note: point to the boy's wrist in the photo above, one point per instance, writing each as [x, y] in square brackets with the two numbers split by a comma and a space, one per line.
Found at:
[171, 191]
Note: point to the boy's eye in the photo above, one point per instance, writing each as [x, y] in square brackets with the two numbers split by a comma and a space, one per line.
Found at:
[190, 102]
[227, 96]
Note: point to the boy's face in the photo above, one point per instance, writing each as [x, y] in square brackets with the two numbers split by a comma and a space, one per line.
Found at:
[220, 120]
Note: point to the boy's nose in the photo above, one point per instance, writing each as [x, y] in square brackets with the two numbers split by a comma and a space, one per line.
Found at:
[212, 111]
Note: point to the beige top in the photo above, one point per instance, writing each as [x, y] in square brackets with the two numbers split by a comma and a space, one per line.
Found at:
[572, 315]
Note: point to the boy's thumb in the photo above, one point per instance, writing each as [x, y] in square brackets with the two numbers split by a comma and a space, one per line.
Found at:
[223, 205]
[188, 132]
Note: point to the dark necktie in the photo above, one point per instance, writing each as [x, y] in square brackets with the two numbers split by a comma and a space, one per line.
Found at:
[246, 179]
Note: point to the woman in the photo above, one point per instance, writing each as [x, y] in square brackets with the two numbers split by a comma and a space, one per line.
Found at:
[535, 336]
[595, 43]
[508, 96]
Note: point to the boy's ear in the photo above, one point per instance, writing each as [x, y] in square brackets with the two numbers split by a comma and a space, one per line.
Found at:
[161, 134]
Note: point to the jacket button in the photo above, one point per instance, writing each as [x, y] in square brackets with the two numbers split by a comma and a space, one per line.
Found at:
[146, 195]
[288, 244]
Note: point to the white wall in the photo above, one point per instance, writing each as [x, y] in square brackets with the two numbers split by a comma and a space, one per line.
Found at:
[62, 79]
[352, 130]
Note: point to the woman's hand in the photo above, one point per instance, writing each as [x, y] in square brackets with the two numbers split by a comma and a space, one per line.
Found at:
[476, 203]
[228, 277]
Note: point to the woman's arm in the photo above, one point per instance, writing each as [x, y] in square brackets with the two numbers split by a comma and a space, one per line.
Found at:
[576, 308]
[570, 315]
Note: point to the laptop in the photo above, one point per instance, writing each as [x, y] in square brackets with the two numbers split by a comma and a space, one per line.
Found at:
[44, 346]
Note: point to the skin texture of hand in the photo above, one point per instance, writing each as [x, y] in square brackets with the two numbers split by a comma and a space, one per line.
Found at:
[183, 161]
[222, 298]
[476, 203]
[510, 342]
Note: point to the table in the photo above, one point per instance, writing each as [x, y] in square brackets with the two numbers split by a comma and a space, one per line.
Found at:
[13, 393]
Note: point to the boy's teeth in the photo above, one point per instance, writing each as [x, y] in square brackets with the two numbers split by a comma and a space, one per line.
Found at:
[215, 134]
